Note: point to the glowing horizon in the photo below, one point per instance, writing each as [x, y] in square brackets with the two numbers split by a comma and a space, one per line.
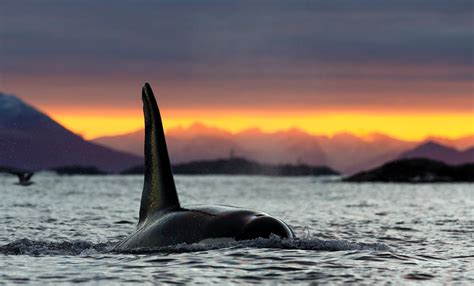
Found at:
[407, 126]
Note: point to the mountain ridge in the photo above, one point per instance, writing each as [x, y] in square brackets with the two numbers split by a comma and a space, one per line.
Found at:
[436, 151]
[345, 152]
[30, 139]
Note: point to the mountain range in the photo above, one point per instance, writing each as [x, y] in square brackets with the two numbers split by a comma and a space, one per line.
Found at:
[344, 152]
[29, 139]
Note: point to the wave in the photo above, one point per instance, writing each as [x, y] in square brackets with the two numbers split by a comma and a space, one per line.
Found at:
[38, 247]
[32, 247]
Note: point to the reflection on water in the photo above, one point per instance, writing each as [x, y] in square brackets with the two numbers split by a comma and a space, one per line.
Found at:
[62, 229]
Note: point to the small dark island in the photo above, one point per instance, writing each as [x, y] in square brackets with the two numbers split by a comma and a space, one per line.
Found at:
[417, 170]
[241, 166]
[78, 170]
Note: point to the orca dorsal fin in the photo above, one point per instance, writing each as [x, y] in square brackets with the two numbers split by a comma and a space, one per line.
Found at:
[159, 190]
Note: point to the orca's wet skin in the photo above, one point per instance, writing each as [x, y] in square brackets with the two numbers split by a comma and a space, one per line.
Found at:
[163, 221]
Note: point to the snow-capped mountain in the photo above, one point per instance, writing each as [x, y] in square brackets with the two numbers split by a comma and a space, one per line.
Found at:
[30, 139]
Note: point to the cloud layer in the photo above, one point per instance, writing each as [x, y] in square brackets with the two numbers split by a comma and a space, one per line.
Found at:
[350, 51]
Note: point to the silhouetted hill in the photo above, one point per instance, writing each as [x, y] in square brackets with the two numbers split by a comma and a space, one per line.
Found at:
[240, 166]
[438, 152]
[29, 139]
[78, 170]
[417, 170]
[460, 143]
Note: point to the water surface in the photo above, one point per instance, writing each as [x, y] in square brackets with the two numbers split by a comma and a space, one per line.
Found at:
[62, 229]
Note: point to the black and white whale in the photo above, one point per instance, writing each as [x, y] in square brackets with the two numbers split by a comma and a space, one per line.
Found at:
[163, 221]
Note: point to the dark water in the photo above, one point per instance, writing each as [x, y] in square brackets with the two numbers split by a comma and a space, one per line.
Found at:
[62, 230]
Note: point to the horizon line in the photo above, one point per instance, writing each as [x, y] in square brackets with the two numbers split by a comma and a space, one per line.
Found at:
[213, 128]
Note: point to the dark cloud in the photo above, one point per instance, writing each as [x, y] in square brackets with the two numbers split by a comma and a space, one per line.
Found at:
[299, 41]
[226, 31]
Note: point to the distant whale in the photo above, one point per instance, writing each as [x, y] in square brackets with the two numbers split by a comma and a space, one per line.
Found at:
[163, 221]
[24, 176]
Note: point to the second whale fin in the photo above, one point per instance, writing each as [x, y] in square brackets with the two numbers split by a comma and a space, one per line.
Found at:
[159, 190]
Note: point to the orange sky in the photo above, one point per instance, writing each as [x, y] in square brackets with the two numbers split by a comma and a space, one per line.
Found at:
[112, 106]
[94, 108]
[408, 126]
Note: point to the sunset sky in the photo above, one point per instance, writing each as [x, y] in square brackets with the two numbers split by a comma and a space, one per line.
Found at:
[402, 67]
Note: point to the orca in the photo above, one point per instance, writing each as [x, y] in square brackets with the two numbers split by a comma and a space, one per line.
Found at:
[24, 176]
[24, 179]
[162, 219]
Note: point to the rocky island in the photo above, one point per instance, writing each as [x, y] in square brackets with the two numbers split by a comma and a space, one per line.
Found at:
[241, 166]
[417, 170]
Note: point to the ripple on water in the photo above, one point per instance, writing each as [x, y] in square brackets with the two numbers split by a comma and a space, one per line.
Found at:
[419, 276]
[72, 223]
[31, 247]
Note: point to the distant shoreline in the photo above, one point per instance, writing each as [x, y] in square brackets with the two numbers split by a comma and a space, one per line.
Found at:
[241, 166]
[416, 170]
[231, 166]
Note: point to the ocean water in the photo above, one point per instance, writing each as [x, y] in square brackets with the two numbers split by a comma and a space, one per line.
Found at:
[62, 230]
